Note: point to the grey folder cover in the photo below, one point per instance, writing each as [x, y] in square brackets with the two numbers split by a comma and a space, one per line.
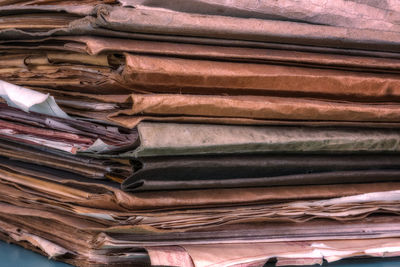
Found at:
[162, 139]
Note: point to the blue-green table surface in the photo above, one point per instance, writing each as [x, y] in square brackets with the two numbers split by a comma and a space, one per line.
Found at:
[16, 256]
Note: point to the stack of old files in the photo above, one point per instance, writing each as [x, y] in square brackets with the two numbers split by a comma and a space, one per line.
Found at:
[200, 132]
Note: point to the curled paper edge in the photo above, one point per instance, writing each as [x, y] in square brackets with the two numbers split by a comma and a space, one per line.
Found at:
[30, 100]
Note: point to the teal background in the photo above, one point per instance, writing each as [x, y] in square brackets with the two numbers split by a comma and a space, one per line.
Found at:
[16, 256]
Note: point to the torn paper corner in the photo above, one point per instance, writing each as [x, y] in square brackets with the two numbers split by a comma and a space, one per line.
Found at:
[97, 147]
[30, 100]
[51, 249]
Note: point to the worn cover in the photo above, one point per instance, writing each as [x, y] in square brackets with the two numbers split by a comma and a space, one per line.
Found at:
[161, 139]
[194, 172]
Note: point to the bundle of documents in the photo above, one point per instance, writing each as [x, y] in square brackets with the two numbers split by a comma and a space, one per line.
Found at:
[200, 132]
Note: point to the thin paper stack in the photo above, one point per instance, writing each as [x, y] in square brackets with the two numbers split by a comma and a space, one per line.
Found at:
[200, 132]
